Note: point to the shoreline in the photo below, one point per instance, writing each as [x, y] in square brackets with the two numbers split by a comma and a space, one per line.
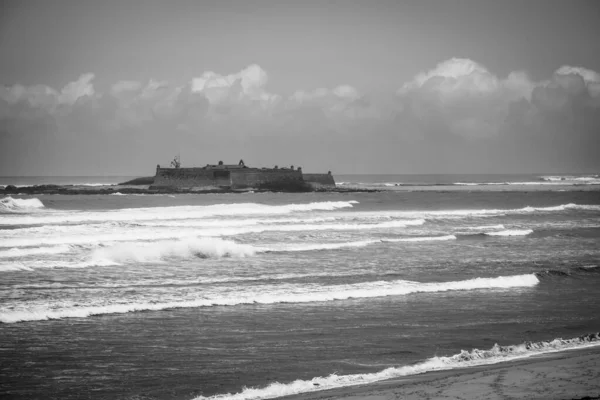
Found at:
[130, 189]
[567, 374]
[146, 189]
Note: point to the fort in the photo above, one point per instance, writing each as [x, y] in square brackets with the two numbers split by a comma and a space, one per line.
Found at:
[238, 176]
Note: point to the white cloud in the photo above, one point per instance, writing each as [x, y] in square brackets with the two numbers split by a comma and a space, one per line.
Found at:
[77, 89]
[246, 86]
[463, 96]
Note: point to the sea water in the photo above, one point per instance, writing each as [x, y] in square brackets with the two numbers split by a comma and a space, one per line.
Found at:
[259, 295]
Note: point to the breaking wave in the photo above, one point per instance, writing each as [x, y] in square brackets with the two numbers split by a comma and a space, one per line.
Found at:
[17, 252]
[511, 232]
[276, 294]
[228, 231]
[178, 212]
[484, 227]
[10, 205]
[463, 359]
[159, 251]
[421, 239]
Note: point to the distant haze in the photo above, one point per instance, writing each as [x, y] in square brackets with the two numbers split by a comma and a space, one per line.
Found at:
[116, 87]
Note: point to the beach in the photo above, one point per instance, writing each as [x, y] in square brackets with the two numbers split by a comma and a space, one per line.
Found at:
[571, 374]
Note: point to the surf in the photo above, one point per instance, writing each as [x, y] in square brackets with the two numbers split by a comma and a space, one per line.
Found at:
[475, 357]
[272, 294]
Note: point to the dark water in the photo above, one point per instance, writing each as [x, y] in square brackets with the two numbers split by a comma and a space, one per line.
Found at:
[178, 297]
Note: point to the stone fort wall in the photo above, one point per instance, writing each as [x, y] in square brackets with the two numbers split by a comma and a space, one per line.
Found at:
[215, 178]
[320, 180]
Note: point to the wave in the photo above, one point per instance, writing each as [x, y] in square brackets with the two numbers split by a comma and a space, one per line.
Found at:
[421, 239]
[358, 243]
[186, 248]
[159, 251]
[562, 178]
[14, 267]
[263, 227]
[318, 246]
[214, 247]
[552, 273]
[489, 212]
[463, 359]
[545, 182]
[24, 252]
[10, 205]
[484, 227]
[277, 294]
[574, 272]
[172, 215]
[510, 232]
[589, 268]
[177, 212]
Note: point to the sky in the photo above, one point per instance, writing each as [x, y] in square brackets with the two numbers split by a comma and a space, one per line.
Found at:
[116, 87]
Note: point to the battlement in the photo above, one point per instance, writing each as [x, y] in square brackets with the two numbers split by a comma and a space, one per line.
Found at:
[236, 176]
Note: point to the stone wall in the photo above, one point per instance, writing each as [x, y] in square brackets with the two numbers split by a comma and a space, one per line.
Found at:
[320, 180]
[254, 177]
[211, 178]
[190, 178]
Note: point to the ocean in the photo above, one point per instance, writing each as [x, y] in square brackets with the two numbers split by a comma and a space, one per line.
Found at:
[261, 295]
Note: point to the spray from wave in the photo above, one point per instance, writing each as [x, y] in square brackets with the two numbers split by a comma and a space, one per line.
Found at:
[463, 359]
[10, 205]
[511, 232]
[159, 251]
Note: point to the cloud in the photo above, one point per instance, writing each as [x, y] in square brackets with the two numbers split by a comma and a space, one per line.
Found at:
[462, 96]
[342, 103]
[245, 87]
[457, 115]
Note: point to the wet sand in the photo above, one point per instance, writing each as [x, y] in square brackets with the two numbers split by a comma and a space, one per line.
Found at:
[573, 374]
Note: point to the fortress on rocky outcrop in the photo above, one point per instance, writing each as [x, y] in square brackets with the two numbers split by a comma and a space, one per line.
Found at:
[237, 176]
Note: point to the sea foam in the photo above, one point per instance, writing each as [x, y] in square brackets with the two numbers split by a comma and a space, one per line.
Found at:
[463, 359]
[159, 251]
[421, 239]
[270, 294]
[24, 252]
[511, 232]
[10, 205]
[175, 212]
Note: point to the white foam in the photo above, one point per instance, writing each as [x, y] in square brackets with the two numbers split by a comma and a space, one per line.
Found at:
[485, 227]
[270, 294]
[176, 212]
[24, 252]
[111, 232]
[421, 239]
[94, 238]
[511, 232]
[118, 194]
[463, 359]
[14, 267]
[319, 246]
[159, 251]
[8, 204]
[589, 207]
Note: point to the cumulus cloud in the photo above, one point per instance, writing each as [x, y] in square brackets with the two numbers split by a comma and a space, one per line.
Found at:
[463, 96]
[448, 114]
[341, 103]
[246, 86]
